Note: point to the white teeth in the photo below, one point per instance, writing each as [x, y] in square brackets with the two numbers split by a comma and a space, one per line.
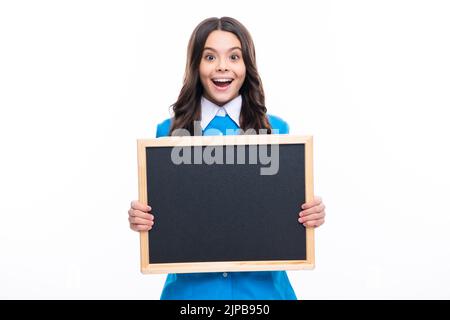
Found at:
[222, 80]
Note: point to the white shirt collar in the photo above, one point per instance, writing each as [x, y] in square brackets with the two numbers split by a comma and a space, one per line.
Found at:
[210, 110]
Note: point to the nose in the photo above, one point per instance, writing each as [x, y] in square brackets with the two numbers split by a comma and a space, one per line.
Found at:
[222, 65]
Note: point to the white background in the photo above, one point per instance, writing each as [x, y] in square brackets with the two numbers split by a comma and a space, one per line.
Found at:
[80, 81]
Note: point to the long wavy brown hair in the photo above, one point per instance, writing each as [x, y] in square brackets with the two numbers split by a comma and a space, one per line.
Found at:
[187, 108]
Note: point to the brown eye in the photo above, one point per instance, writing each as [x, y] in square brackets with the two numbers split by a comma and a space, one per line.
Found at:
[234, 57]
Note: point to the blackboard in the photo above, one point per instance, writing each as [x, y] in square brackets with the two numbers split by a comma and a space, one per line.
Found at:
[226, 203]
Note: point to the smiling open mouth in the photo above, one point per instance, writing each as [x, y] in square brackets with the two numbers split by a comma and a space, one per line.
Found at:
[222, 83]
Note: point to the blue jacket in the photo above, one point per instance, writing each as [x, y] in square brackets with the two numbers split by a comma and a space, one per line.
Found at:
[259, 285]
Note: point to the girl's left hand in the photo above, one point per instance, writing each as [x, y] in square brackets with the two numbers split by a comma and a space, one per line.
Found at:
[313, 213]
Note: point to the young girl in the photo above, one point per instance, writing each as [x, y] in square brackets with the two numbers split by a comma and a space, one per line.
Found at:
[222, 90]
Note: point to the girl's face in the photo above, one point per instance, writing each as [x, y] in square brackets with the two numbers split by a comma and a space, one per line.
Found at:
[222, 68]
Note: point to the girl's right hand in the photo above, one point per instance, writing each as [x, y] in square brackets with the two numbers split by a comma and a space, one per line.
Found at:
[139, 216]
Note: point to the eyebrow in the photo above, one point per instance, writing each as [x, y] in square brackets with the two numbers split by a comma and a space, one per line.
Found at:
[212, 49]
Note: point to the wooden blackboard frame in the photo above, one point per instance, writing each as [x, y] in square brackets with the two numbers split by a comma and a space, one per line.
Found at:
[224, 266]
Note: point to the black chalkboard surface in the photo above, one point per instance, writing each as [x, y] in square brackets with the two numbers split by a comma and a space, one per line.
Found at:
[226, 203]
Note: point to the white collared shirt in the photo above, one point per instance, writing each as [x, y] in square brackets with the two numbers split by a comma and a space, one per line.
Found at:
[210, 110]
